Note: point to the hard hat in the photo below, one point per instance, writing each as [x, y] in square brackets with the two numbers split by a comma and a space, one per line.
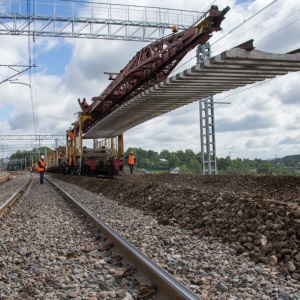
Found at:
[131, 152]
[43, 156]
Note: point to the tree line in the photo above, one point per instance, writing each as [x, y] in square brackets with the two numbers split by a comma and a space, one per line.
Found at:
[187, 161]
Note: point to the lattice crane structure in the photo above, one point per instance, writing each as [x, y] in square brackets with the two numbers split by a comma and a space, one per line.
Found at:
[150, 66]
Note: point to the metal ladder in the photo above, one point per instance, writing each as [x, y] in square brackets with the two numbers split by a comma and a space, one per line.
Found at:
[207, 122]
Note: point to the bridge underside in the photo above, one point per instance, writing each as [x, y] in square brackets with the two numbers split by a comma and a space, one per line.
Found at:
[231, 69]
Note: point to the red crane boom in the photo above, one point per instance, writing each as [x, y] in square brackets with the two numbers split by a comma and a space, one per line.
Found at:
[152, 65]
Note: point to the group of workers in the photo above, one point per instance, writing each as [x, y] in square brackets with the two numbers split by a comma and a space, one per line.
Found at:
[72, 164]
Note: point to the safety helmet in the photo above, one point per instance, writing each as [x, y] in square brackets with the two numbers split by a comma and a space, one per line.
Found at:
[43, 156]
[131, 152]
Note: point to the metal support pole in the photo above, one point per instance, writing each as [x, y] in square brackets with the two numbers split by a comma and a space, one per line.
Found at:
[80, 144]
[121, 144]
[207, 124]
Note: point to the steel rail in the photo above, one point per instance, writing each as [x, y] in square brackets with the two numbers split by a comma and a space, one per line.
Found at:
[15, 197]
[167, 286]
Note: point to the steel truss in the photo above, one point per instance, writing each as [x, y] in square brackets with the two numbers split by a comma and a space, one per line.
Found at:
[80, 19]
[33, 137]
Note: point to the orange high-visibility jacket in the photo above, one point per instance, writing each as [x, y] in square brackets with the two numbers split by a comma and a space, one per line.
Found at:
[72, 161]
[71, 135]
[41, 167]
[131, 159]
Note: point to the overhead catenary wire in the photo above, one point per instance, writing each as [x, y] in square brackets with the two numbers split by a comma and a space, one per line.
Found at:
[270, 16]
[241, 24]
[29, 71]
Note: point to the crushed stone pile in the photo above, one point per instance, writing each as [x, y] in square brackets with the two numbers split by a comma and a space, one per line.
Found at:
[257, 215]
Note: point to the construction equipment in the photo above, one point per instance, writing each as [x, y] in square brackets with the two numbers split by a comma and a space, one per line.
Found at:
[101, 161]
[152, 65]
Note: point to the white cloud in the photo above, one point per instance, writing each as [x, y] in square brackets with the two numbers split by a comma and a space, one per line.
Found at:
[260, 121]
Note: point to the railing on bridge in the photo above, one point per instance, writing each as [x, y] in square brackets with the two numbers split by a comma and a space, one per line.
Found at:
[91, 20]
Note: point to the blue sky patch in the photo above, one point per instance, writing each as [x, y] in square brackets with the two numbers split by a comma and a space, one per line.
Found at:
[5, 111]
[55, 59]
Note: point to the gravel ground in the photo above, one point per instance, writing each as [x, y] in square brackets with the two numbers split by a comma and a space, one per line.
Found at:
[8, 188]
[210, 268]
[49, 251]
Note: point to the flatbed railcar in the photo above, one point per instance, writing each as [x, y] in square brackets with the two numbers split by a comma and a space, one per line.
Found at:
[100, 161]
[94, 162]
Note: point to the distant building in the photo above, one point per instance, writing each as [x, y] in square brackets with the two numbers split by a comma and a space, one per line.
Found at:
[163, 160]
[174, 170]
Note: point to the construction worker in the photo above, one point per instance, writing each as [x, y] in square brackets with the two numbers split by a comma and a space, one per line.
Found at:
[71, 134]
[60, 156]
[131, 161]
[72, 164]
[41, 168]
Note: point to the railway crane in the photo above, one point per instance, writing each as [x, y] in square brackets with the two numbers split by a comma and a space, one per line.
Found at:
[150, 66]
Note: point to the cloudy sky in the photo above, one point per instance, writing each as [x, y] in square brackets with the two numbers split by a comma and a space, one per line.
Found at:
[260, 121]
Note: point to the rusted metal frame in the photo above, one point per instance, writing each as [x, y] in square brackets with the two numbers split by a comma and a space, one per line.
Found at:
[158, 71]
[146, 60]
[168, 52]
[176, 47]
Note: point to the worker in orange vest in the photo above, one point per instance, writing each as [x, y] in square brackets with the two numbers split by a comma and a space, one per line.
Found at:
[71, 134]
[41, 168]
[131, 161]
[72, 164]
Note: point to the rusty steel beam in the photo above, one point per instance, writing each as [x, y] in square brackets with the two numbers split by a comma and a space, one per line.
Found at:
[153, 64]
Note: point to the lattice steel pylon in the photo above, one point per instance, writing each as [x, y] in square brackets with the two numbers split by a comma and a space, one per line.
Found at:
[207, 122]
[80, 19]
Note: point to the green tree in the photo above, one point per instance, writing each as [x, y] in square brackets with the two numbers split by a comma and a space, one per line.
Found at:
[184, 169]
[165, 154]
[145, 163]
[152, 155]
[173, 161]
[195, 166]
[224, 163]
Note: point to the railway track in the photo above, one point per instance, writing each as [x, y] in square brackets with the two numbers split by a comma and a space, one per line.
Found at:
[6, 204]
[124, 260]
[58, 254]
